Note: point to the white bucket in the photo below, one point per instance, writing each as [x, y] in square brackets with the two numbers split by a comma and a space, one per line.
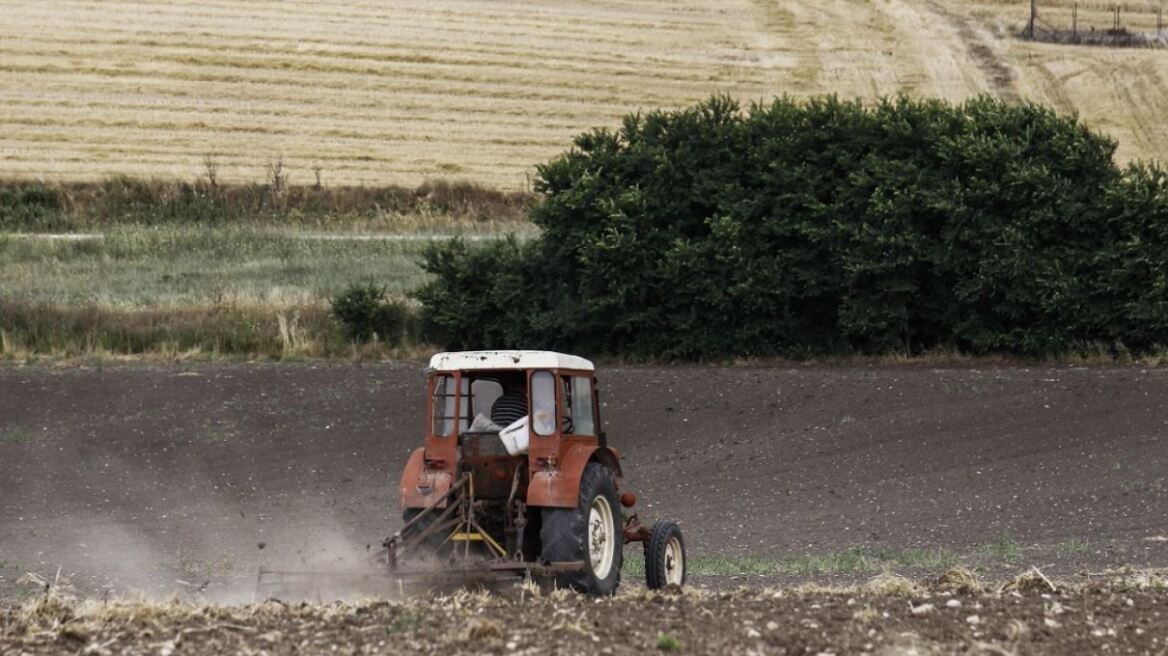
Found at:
[515, 437]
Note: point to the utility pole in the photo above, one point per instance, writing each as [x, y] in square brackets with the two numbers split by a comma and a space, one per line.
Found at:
[1075, 23]
[1033, 17]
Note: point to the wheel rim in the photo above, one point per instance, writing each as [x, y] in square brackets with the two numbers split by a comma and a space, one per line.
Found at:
[601, 541]
[674, 562]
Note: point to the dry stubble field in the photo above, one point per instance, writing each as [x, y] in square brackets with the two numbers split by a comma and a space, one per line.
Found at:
[374, 92]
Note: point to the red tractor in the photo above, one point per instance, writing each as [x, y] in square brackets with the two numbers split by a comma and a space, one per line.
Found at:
[517, 477]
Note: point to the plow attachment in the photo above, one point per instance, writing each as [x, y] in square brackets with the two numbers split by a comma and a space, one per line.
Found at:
[323, 585]
[442, 546]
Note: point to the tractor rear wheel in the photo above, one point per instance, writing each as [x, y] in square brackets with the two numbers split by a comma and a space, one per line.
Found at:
[590, 532]
[664, 556]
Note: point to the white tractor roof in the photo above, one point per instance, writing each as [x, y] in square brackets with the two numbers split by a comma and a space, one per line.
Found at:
[516, 360]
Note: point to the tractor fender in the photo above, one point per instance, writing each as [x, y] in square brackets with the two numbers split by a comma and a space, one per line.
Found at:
[419, 486]
[560, 487]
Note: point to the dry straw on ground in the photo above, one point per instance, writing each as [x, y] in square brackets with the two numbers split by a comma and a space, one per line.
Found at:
[889, 615]
[959, 580]
[1032, 580]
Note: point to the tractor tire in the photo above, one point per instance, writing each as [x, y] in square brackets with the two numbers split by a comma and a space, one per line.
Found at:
[664, 556]
[591, 532]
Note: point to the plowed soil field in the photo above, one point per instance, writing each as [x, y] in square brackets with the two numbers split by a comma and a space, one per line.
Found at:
[180, 481]
[149, 477]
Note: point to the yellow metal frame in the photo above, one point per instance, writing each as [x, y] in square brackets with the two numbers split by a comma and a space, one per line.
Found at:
[470, 531]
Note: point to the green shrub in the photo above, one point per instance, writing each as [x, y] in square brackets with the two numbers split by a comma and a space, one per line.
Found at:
[496, 295]
[666, 642]
[823, 226]
[366, 314]
[31, 206]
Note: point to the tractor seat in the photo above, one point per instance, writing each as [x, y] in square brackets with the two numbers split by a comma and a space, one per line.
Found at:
[509, 408]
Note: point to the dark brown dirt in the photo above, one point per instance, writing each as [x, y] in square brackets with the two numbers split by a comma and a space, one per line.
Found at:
[140, 476]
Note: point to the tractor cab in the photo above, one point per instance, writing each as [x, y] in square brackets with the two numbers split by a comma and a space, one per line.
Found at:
[501, 413]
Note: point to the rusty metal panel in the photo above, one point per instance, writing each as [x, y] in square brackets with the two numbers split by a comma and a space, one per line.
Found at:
[558, 486]
[421, 486]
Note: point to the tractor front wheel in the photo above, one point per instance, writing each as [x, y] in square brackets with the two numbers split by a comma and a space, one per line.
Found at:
[589, 533]
[664, 556]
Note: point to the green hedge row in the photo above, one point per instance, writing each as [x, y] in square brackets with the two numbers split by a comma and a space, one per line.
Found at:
[27, 206]
[823, 226]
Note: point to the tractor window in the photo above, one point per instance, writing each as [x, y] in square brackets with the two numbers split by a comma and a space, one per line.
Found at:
[443, 405]
[483, 393]
[577, 418]
[543, 402]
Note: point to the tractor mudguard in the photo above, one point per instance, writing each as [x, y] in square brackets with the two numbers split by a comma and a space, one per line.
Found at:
[419, 486]
[560, 487]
